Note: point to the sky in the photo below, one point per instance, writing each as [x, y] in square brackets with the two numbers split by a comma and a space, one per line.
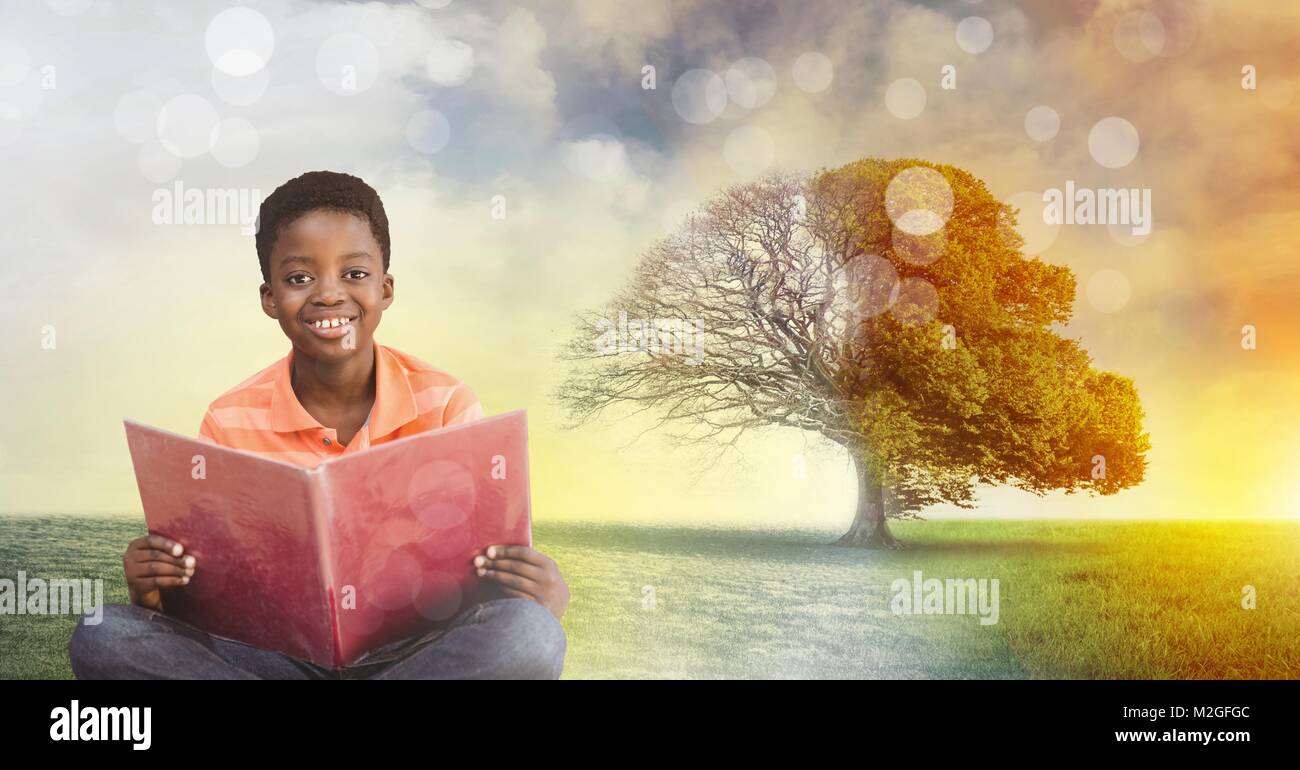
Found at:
[458, 110]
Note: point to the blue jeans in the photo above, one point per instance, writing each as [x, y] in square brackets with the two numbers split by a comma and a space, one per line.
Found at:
[512, 638]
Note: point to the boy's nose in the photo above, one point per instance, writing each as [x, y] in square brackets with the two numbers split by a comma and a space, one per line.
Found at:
[328, 292]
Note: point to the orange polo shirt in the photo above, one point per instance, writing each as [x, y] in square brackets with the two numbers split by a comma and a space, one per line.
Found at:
[262, 414]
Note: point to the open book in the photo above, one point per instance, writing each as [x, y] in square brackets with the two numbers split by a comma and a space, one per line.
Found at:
[329, 563]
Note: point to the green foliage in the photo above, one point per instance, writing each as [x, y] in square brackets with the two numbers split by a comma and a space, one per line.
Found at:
[1012, 402]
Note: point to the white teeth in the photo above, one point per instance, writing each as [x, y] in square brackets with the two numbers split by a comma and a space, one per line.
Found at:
[331, 323]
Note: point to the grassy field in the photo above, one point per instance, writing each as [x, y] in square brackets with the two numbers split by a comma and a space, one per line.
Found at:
[1077, 599]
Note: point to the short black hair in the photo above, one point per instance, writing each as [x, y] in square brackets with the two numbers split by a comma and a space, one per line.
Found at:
[315, 190]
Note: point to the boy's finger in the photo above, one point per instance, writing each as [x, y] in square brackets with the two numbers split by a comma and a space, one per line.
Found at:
[153, 554]
[516, 566]
[166, 544]
[521, 552]
[510, 580]
[153, 568]
[520, 594]
[168, 582]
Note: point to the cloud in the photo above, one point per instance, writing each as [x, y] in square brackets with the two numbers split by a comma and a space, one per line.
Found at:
[604, 163]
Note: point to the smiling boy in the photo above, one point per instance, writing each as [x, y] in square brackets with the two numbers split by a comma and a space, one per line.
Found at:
[324, 250]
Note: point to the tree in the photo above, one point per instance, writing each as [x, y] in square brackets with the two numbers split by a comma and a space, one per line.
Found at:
[884, 305]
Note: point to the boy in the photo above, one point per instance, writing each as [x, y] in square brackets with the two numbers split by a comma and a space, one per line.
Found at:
[323, 245]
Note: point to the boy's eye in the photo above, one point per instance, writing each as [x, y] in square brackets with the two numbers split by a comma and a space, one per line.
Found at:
[360, 274]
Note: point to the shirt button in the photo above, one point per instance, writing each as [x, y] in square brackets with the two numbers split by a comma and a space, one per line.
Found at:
[327, 442]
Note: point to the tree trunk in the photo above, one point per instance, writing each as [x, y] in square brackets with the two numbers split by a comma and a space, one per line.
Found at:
[868, 529]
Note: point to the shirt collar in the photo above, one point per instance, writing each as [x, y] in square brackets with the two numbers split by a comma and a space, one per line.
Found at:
[394, 406]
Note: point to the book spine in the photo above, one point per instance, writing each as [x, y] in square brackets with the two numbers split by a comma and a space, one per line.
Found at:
[528, 482]
[322, 514]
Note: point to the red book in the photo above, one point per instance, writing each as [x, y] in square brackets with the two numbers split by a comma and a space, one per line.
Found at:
[328, 563]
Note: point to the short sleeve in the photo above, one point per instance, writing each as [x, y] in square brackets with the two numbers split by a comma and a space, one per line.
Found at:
[208, 430]
[462, 407]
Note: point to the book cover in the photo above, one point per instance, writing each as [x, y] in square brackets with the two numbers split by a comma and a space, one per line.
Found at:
[327, 563]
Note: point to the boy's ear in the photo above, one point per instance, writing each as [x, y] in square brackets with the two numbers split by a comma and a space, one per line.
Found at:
[268, 301]
[388, 290]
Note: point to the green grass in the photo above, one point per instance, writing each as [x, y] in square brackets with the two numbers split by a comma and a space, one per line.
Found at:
[1078, 599]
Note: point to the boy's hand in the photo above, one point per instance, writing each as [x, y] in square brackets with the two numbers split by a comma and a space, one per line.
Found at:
[153, 562]
[524, 572]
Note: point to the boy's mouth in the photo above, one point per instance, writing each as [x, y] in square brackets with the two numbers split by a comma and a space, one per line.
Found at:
[331, 327]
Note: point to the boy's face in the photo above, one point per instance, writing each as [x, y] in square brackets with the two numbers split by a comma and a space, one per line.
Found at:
[327, 265]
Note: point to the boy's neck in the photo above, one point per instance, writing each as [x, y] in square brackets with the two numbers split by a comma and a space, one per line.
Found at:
[335, 387]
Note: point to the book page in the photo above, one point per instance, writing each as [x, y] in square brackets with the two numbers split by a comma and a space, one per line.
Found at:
[408, 517]
[248, 521]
